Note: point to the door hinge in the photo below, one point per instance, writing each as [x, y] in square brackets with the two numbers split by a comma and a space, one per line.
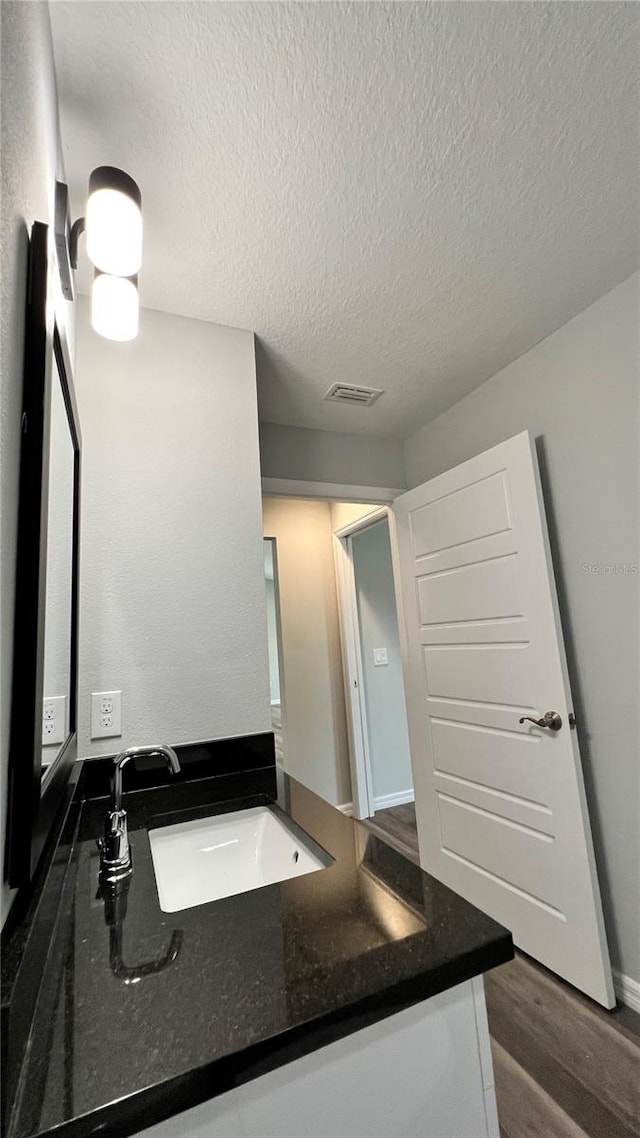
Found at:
[572, 721]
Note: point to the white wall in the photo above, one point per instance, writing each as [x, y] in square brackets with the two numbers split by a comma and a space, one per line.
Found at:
[327, 456]
[58, 606]
[577, 392]
[172, 564]
[388, 733]
[316, 744]
[30, 163]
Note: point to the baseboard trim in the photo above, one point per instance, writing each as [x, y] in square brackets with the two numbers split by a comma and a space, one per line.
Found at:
[346, 808]
[627, 990]
[385, 801]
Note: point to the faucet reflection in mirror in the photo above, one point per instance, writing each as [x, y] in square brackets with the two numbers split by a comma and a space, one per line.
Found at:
[113, 227]
[115, 851]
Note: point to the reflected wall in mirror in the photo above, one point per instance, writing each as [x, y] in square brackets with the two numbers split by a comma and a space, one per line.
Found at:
[43, 740]
[274, 641]
[58, 579]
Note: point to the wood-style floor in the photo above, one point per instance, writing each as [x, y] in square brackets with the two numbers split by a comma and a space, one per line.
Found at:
[398, 827]
[564, 1067]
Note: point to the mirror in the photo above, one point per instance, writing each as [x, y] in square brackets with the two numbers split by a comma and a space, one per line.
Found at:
[43, 741]
[58, 579]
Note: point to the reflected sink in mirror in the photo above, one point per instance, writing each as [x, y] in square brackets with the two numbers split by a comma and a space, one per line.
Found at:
[207, 859]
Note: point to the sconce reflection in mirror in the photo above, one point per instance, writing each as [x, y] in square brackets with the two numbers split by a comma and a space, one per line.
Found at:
[115, 911]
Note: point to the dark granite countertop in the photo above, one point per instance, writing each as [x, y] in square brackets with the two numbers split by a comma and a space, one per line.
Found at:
[127, 1033]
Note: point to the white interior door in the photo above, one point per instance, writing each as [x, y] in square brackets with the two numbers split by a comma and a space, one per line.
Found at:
[500, 805]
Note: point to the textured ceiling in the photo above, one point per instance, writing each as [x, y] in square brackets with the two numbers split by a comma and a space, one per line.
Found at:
[402, 195]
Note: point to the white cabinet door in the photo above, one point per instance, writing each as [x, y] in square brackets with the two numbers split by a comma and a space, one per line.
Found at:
[425, 1072]
[500, 804]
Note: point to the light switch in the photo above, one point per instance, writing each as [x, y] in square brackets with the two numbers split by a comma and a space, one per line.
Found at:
[380, 657]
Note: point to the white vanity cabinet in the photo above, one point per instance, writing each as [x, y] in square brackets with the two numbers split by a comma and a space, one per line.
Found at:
[423, 1073]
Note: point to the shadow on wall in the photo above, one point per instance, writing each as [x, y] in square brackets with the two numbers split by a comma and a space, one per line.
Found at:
[579, 704]
[274, 375]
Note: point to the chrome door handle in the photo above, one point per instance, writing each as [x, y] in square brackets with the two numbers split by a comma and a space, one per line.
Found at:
[550, 719]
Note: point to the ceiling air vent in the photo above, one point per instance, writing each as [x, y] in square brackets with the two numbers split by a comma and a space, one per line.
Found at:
[349, 393]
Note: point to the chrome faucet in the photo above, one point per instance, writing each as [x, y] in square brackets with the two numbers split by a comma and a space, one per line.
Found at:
[115, 852]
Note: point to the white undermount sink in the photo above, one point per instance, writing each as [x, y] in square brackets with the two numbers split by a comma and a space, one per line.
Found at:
[207, 859]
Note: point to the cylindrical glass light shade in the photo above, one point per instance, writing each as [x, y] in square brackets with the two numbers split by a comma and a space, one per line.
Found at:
[115, 306]
[114, 222]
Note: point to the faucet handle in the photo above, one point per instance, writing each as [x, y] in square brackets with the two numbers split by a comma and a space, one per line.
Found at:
[115, 860]
[115, 823]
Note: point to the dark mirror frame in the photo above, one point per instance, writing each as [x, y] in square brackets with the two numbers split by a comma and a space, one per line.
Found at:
[34, 796]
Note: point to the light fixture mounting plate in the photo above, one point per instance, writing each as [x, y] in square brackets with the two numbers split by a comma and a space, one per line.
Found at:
[62, 230]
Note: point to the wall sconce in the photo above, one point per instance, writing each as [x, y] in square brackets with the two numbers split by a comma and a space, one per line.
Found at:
[113, 228]
[115, 307]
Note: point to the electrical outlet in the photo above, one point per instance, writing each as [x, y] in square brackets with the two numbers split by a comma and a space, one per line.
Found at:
[106, 714]
[54, 720]
[380, 657]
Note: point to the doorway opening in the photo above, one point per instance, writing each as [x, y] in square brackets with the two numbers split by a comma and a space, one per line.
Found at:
[372, 652]
[318, 728]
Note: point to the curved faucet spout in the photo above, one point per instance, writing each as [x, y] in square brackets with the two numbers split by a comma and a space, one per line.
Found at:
[121, 760]
[115, 852]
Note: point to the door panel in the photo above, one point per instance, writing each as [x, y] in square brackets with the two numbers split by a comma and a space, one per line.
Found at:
[483, 591]
[518, 854]
[480, 672]
[500, 805]
[461, 515]
[499, 761]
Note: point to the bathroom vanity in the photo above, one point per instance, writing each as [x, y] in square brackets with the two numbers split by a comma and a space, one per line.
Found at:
[345, 1000]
